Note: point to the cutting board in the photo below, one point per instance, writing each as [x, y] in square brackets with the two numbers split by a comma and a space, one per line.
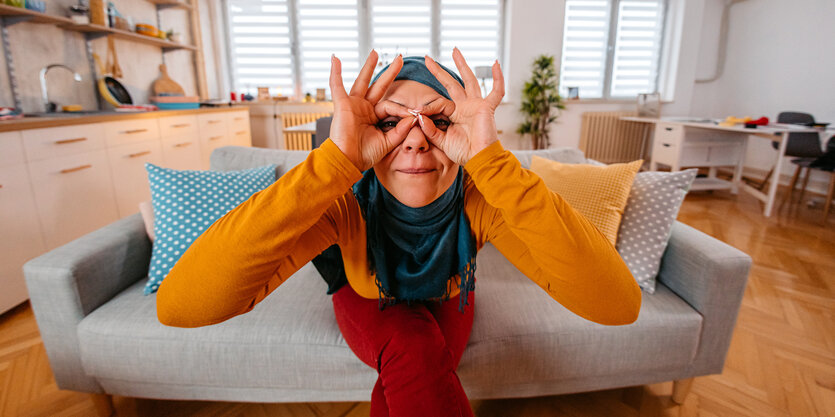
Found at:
[165, 86]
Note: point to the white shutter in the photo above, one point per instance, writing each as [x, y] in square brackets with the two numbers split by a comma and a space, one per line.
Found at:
[585, 42]
[637, 46]
[327, 27]
[259, 36]
[474, 26]
[401, 27]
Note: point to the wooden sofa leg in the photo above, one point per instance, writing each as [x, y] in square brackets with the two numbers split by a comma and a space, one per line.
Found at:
[681, 388]
[103, 404]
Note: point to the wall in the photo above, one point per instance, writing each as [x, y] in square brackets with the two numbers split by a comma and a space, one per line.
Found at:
[779, 57]
[33, 46]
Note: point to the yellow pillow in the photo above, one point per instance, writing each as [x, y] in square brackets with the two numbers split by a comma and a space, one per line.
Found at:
[598, 192]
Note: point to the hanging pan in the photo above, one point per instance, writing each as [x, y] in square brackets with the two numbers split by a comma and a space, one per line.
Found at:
[110, 88]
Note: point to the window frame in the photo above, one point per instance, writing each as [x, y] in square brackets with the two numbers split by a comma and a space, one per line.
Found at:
[611, 47]
[365, 36]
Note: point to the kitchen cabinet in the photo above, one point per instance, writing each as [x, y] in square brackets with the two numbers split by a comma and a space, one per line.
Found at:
[180, 142]
[74, 195]
[213, 132]
[19, 226]
[130, 178]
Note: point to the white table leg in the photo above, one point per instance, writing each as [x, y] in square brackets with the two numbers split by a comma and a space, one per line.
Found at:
[775, 181]
[740, 166]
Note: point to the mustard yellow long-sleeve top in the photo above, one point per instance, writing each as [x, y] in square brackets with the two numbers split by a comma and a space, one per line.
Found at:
[250, 251]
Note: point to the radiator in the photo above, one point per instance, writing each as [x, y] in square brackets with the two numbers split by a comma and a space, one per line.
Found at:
[606, 138]
[299, 141]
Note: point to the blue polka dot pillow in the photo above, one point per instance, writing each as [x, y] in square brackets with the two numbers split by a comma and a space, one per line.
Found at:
[187, 202]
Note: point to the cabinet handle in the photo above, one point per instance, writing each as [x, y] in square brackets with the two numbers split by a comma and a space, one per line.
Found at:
[669, 129]
[132, 131]
[79, 168]
[64, 141]
[215, 137]
[240, 118]
[666, 145]
[181, 125]
[1, 185]
[214, 121]
[180, 145]
[240, 132]
[134, 155]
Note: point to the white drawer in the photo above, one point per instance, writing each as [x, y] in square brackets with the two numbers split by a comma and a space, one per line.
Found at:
[62, 141]
[11, 149]
[669, 133]
[181, 153]
[131, 131]
[212, 124]
[127, 164]
[238, 121]
[177, 126]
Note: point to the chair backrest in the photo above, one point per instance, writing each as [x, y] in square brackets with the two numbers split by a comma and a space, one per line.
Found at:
[323, 131]
[801, 144]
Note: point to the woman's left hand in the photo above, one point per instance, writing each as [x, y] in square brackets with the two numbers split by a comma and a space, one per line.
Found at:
[473, 122]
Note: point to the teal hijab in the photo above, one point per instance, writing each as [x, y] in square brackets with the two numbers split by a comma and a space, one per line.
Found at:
[413, 252]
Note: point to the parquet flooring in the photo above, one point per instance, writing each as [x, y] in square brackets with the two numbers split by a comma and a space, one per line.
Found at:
[781, 360]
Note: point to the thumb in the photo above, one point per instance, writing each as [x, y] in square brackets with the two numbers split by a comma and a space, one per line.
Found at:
[396, 136]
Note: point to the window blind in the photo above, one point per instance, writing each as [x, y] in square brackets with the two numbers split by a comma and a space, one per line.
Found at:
[399, 26]
[611, 48]
[259, 45]
[327, 27]
[637, 46]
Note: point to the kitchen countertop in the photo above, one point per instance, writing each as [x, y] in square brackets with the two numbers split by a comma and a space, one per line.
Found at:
[54, 121]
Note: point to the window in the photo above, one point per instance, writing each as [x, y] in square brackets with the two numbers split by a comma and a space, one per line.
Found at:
[287, 44]
[611, 48]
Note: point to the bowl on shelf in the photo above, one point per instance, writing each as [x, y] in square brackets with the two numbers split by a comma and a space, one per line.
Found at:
[147, 30]
[176, 102]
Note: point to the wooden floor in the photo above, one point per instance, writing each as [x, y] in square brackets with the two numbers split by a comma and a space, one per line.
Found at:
[781, 360]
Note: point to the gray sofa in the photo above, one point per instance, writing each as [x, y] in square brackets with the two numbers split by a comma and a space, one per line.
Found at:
[102, 335]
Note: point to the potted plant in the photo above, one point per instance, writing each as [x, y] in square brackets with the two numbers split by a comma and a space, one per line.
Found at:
[538, 98]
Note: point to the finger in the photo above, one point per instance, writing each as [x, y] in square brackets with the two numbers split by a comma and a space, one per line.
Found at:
[387, 108]
[376, 92]
[396, 136]
[452, 87]
[361, 83]
[495, 96]
[470, 81]
[337, 88]
[432, 133]
[439, 106]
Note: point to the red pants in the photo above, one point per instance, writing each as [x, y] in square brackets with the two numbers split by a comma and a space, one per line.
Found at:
[415, 350]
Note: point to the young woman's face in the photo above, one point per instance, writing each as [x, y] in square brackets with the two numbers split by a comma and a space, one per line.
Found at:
[415, 172]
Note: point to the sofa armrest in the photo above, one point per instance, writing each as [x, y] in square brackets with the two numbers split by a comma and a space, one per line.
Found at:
[68, 282]
[710, 275]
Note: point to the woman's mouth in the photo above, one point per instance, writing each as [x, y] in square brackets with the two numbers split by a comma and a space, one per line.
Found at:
[416, 171]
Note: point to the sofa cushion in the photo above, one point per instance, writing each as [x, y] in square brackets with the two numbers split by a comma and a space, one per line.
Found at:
[291, 340]
[598, 192]
[648, 218]
[187, 202]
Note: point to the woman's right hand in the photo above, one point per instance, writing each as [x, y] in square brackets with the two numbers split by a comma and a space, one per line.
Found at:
[354, 128]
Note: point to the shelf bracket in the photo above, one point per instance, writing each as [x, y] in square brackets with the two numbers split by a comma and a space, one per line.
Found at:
[7, 53]
[13, 20]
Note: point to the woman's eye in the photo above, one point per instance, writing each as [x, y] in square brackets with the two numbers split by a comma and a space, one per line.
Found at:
[441, 124]
[386, 125]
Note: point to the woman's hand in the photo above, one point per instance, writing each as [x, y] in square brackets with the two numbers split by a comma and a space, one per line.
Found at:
[473, 120]
[354, 128]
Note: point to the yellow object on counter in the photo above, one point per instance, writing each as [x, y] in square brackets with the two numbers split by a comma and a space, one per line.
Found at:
[731, 121]
[71, 108]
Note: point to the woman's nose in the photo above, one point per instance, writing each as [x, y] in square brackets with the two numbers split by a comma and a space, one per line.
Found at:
[416, 140]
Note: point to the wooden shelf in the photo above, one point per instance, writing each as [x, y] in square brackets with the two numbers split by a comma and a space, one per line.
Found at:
[98, 30]
[171, 3]
[18, 14]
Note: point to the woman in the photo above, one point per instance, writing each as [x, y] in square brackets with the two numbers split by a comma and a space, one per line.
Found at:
[411, 183]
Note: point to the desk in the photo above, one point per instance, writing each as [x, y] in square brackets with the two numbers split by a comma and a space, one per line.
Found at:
[691, 142]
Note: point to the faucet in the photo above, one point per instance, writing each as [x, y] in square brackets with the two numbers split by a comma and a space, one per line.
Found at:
[48, 106]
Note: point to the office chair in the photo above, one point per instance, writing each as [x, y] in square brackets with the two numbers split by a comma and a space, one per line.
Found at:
[826, 163]
[323, 131]
[805, 146]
